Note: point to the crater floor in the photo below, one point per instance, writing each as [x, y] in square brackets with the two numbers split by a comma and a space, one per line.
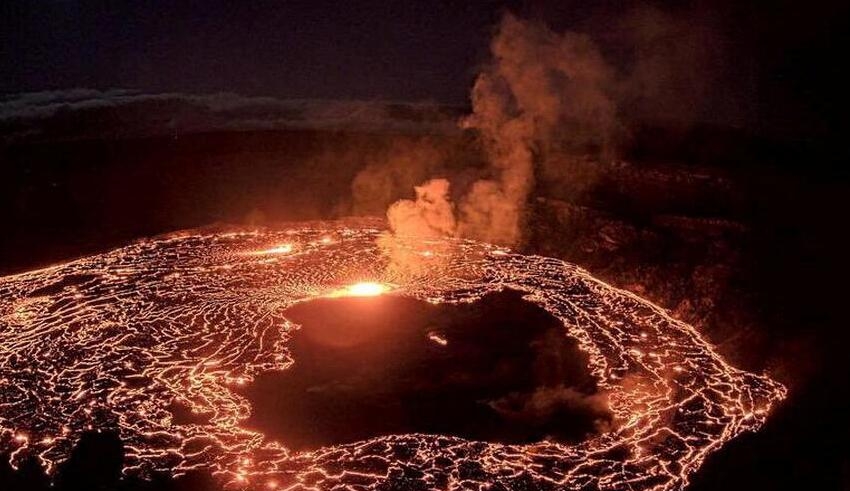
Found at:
[199, 319]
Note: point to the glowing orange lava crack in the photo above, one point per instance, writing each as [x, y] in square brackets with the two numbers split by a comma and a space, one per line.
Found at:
[114, 340]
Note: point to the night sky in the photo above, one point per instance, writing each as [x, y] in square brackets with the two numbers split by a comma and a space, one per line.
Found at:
[315, 49]
[780, 70]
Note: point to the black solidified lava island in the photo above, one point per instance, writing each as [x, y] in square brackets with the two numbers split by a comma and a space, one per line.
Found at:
[499, 369]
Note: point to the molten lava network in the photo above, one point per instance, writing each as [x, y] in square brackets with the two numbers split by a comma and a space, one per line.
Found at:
[116, 340]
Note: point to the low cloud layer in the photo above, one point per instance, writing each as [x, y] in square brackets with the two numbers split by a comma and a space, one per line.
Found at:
[82, 113]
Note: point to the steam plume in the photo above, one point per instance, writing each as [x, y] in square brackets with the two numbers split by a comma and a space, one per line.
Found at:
[541, 89]
[431, 215]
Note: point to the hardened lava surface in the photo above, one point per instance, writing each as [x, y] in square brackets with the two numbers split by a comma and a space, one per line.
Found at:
[120, 339]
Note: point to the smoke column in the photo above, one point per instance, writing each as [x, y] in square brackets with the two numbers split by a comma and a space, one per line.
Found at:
[541, 89]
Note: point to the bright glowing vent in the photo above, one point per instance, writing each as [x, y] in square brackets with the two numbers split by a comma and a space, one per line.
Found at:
[361, 289]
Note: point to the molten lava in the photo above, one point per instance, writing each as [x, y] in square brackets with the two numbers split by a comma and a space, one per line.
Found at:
[361, 289]
[281, 249]
[116, 340]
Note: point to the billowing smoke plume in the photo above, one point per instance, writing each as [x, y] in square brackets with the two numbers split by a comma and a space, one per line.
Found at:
[541, 90]
[540, 83]
[431, 215]
[392, 172]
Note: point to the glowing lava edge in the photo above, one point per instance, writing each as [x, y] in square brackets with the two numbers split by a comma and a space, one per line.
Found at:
[113, 340]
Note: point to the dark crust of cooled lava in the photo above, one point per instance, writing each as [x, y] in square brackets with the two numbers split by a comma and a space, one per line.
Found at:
[114, 340]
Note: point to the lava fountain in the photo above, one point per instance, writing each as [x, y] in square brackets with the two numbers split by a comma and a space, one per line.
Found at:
[115, 340]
